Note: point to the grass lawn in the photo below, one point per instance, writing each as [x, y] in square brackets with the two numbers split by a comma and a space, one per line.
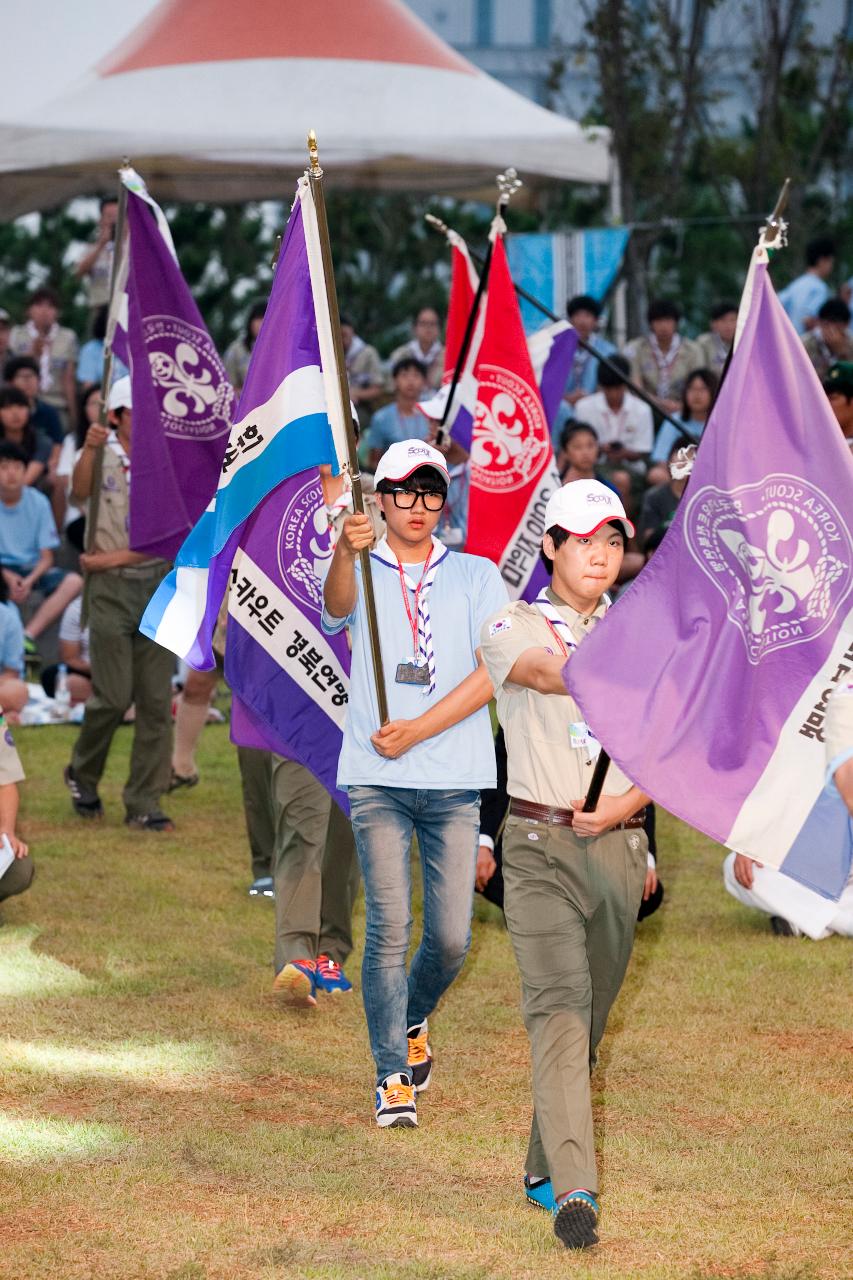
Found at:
[163, 1117]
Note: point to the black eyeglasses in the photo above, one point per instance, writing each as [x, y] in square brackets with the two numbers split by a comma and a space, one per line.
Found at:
[405, 499]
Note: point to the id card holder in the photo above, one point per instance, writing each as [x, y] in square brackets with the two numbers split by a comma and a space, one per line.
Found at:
[578, 734]
[412, 673]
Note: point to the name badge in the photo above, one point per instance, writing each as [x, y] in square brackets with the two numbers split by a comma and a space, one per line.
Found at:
[412, 673]
[578, 734]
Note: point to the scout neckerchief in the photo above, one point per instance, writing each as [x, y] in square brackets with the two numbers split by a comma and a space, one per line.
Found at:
[664, 362]
[419, 619]
[47, 340]
[580, 734]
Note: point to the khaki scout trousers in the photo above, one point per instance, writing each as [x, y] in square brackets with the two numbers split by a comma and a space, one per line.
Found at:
[127, 668]
[571, 907]
[256, 780]
[315, 868]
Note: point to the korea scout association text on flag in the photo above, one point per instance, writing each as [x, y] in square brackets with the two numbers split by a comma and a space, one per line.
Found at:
[182, 399]
[282, 429]
[708, 681]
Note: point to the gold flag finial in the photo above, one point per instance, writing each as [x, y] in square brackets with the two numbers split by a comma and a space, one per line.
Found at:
[313, 154]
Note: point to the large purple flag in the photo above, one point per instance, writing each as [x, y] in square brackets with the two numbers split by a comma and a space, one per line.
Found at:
[707, 682]
[182, 399]
[290, 681]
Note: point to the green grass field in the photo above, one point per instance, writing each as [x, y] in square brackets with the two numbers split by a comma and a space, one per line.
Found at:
[163, 1117]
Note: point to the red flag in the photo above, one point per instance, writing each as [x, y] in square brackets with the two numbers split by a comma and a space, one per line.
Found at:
[512, 462]
[463, 287]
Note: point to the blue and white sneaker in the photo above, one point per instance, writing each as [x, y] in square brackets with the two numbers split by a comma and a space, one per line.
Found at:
[263, 887]
[297, 981]
[331, 977]
[575, 1219]
[395, 1103]
[539, 1192]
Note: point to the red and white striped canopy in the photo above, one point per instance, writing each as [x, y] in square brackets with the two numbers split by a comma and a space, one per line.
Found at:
[213, 99]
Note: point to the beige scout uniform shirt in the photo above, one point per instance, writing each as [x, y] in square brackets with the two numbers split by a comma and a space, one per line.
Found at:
[114, 510]
[542, 765]
[11, 769]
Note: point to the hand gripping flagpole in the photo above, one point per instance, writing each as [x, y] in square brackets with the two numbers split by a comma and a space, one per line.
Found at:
[106, 381]
[315, 177]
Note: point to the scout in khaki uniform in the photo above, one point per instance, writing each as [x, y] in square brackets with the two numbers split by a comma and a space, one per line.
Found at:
[17, 877]
[127, 667]
[573, 881]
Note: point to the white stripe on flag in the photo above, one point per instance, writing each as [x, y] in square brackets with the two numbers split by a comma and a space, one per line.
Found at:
[298, 395]
[774, 811]
[178, 628]
[277, 643]
[521, 553]
[331, 380]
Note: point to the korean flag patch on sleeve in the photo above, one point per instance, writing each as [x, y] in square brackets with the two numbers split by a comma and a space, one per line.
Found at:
[499, 626]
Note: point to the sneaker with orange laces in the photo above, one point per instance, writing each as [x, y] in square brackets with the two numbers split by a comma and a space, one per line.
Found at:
[419, 1060]
[297, 981]
[331, 977]
[395, 1103]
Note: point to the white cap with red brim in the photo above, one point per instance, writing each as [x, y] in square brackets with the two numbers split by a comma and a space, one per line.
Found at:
[403, 458]
[582, 506]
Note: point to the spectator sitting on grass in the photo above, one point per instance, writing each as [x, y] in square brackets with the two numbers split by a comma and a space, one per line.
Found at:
[23, 372]
[16, 428]
[661, 503]
[74, 653]
[27, 539]
[68, 516]
[54, 347]
[19, 876]
[699, 391]
[13, 691]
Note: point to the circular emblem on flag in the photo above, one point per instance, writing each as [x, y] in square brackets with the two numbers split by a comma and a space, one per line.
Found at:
[780, 554]
[304, 545]
[510, 442]
[195, 395]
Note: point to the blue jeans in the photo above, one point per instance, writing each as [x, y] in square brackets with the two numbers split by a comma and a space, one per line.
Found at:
[447, 825]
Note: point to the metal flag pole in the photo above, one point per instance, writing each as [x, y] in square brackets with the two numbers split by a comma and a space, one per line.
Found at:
[315, 177]
[106, 380]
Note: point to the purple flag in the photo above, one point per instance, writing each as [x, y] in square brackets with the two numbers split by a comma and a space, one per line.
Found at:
[290, 681]
[182, 399]
[707, 682]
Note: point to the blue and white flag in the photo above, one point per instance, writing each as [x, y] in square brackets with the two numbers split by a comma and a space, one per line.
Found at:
[282, 427]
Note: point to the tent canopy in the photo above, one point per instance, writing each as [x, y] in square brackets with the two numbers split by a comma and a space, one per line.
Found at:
[213, 100]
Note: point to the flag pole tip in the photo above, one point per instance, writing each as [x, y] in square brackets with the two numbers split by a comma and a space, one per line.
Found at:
[313, 154]
[436, 223]
[508, 183]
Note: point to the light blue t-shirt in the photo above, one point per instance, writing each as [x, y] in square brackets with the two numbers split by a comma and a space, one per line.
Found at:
[90, 363]
[804, 297]
[388, 426]
[583, 375]
[466, 591]
[26, 529]
[11, 639]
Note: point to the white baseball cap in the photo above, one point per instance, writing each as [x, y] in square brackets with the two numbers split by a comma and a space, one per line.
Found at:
[582, 506]
[120, 397]
[401, 459]
[435, 406]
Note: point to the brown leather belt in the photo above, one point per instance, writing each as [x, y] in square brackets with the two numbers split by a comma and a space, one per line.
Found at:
[564, 817]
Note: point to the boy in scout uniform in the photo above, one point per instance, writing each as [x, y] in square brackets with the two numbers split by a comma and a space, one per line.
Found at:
[18, 876]
[127, 667]
[573, 881]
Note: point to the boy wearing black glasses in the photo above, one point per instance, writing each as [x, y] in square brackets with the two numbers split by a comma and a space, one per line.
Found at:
[422, 772]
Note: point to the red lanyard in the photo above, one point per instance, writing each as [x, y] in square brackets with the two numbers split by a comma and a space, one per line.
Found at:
[555, 633]
[413, 618]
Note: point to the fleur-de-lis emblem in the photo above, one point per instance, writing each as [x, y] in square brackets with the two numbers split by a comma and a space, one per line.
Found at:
[188, 384]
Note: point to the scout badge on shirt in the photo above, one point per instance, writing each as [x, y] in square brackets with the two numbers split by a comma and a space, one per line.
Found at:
[412, 672]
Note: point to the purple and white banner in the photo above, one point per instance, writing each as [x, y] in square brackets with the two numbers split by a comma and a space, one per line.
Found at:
[182, 399]
[708, 680]
[290, 681]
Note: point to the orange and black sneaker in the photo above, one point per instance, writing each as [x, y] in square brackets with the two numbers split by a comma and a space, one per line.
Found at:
[297, 981]
[419, 1060]
[395, 1103]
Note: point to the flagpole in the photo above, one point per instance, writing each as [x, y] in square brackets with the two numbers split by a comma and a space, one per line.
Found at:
[315, 177]
[106, 380]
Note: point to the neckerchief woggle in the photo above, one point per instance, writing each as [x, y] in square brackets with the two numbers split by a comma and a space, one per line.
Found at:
[425, 654]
